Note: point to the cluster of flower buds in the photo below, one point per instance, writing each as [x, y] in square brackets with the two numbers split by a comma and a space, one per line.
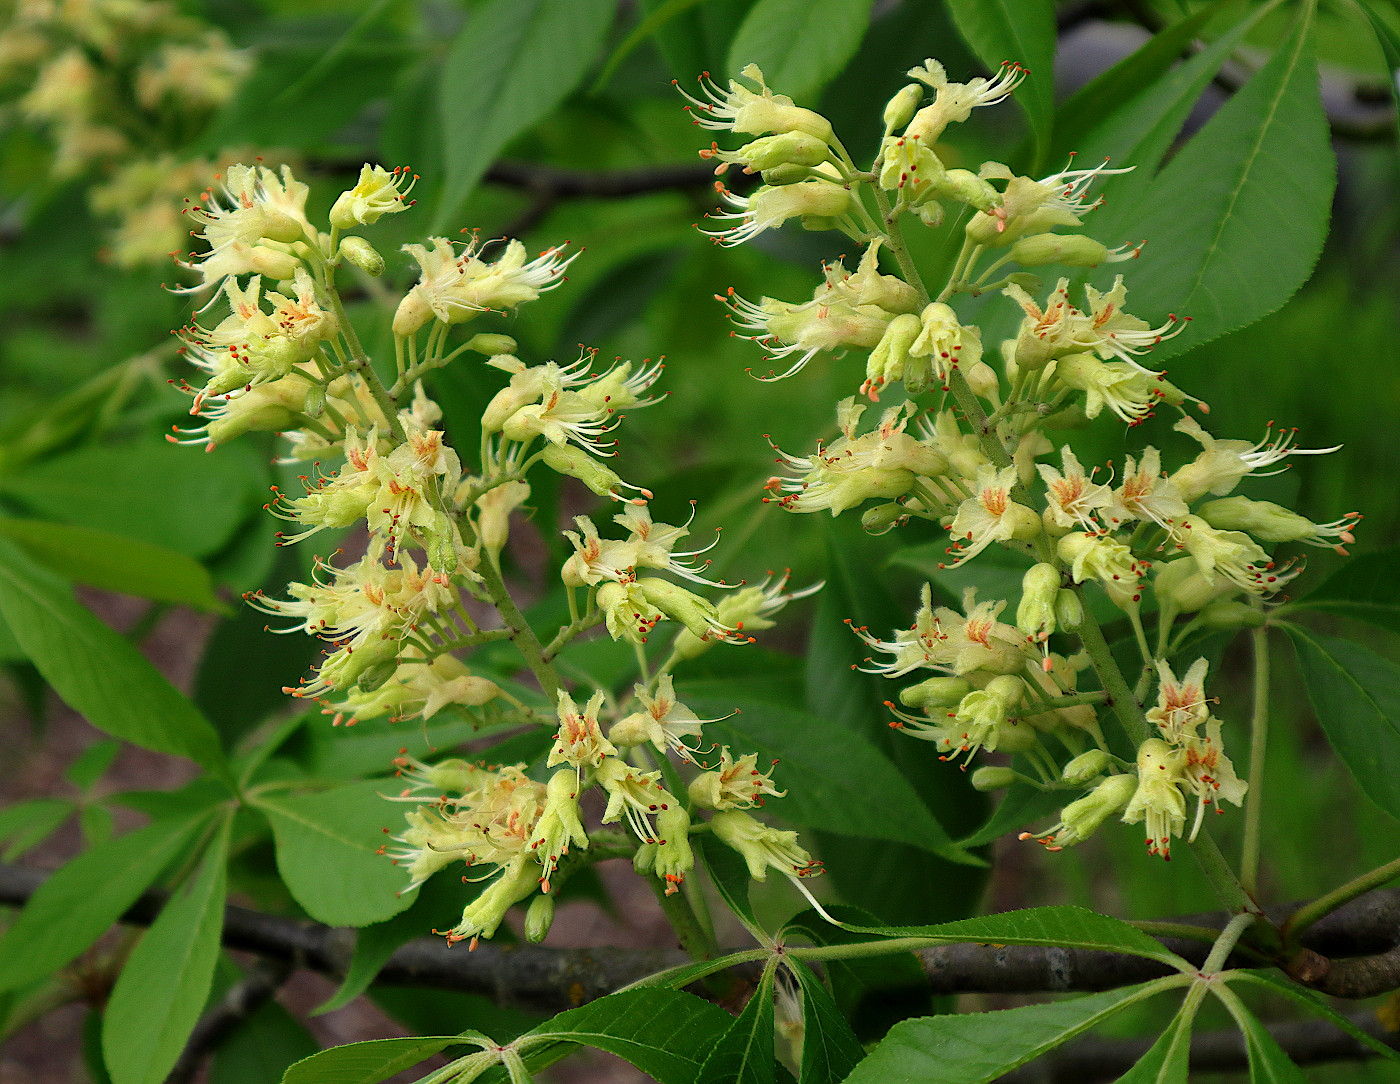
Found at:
[981, 461]
[101, 78]
[287, 358]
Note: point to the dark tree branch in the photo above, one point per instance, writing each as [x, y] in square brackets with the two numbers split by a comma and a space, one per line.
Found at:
[1356, 944]
[242, 1000]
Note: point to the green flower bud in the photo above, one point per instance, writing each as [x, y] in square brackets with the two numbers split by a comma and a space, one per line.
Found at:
[982, 379]
[1266, 521]
[966, 187]
[899, 110]
[358, 252]
[697, 614]
[1231, 614]
[883, 518]
[985, 779]
[573, 461]
[539, 917]
[801, 149]
[1071, 250]
[1181, 585]
[491, 345]
[786, 173]
[1069, 610]
[1085, 767]
[1081, 819]
[934, 693]
[1035, 616]
[315, 404]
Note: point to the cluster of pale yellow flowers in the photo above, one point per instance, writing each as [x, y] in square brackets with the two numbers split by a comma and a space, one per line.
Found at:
[111, 81]
[281, 354]
[979, 460]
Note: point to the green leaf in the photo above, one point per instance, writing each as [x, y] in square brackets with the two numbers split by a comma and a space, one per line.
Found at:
[328, 852]
[1356, 695]
[1268, 1064]
[27, 824]
[97, 672]
[801, 45]
[730, 875]
[511, 64]
[143, 490]
[1389, 41]
[1022, 31]
[1021, 806]
[114, 562]
[835, 779]
[745, 1053]
[665, 1033]
[92, 764]
[261, 1048]
[1365, 588]
[654, 22]
[1059, 926]
[830, 1048]
[1236, 221]
[972, 1048]
[162, 989]
[366, 1063]
[1107, 92]
[1314, 1004]
[80, 901]
[1168, 1059]
[1142, 129]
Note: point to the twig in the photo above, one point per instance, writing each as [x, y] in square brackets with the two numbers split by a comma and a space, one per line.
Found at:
[242, 1000]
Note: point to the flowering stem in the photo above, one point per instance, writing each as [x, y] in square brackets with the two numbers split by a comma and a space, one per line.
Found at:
[894, 241]
[572, 629]
[1258, 742]
[1070, 700]
[690, 932]
[1120, 698]
[1309, 913]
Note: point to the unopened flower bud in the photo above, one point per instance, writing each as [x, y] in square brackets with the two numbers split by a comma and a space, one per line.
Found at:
[934, 693]
[785, 173]
[697, 614]
[985, 779]
[801, 149]
[982, 379]
[1181, 585]
[1231, 614]
[1266, 521]
[1071, 250]
[1085, 767]
[1069, 610]
[1081, 819]
[966, 187]
[539, 917]
[573, 461]
[883, 518]
[375, 676]
[1035, 616]
[899, 110]
[491, 345]
[315, 404]
[358, 252]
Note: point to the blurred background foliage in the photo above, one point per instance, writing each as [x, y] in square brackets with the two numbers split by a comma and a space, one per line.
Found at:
[554, 120]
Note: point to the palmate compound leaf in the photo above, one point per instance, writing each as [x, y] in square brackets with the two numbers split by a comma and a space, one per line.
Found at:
[97, 672]
[1236, 221]
[1313, 1003]
[162, 989]
[1356, 696]
[801, 45]
[972, 1048]
[745, 1054]
[830, 1048]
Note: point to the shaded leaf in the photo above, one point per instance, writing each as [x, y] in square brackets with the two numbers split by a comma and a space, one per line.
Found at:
[512, 63]
[971, 1048]
[830, 1048]
[27, 824]
[163, 986]
[97, 672]
[114, 562]
[366, 1063]
[730, 875]
[1314, 1004]
[1365, 588]
[835, 779]
[665, 1033]
[800, 45]
[1389, 40]
[328, 852]
[1356, 696]
[1059, 926]
[744, 1055]
[80, 902]
[1236, 221]
[262, 1047]
[1022, 31]
[1167, 1060]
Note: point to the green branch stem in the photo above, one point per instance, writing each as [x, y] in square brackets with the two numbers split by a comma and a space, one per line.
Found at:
[1324, 905]
[1258, 744]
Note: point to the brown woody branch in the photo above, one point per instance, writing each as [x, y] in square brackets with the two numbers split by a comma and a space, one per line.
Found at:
[1353, 952]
